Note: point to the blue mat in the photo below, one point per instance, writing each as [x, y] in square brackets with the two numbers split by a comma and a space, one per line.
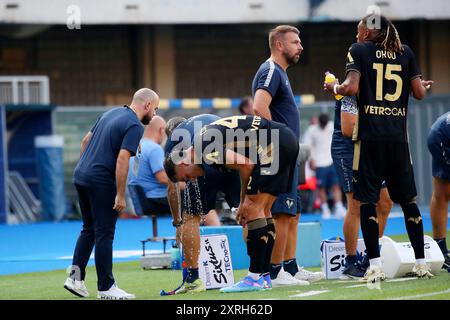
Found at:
[49, 246]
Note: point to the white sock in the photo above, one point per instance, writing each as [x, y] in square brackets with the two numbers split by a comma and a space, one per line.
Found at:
[420, 261]
[375, 262]
[254, 276]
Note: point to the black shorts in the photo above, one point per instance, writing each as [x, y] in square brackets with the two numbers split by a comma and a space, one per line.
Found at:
[375, 161]
[200, 197]
[158, 206]
[276, 178]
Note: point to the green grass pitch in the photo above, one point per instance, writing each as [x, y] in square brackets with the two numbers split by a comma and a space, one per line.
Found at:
[146, 284]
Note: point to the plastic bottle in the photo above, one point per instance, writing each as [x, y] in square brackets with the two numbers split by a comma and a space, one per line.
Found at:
[175, 255]
[329, 77]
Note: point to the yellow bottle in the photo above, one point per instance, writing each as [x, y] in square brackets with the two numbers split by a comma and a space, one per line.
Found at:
[329, 77]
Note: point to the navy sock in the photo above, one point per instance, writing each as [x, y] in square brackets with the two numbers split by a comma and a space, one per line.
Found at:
[443, 245]
[274, 270]
[192, 275]
[290, 266]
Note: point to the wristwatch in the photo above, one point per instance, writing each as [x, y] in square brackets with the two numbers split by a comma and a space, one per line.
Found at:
[177, 224]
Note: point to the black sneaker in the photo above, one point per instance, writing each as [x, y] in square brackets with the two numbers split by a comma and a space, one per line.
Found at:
[352, 271]
[446, 265]
[365, 263]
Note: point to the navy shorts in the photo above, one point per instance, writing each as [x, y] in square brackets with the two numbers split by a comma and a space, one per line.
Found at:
[289, 203]
[440, 166]
[326, 177]
[344, 170]
[200, 197]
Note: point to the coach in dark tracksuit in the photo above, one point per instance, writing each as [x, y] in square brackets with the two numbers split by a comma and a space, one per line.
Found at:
[100, 179]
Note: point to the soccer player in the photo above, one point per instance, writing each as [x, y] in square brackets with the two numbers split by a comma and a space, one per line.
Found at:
[274, 100]
[346, 113]
[199, 197]
[264, 153]
[439, 146]
[100, 179]
[383, 72]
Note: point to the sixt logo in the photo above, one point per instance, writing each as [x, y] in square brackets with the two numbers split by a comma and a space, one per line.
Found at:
[337, 262]
[217, 271]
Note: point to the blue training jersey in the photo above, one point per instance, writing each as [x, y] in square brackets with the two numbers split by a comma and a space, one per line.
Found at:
[145, 165]
[183, 135]
[441, 127]
[272, 78]
[342, 147]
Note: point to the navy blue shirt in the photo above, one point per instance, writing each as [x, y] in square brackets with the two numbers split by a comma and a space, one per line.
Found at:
[441, 127]
[183, 135]
[116, 129]
[342, 147]
[272, 78]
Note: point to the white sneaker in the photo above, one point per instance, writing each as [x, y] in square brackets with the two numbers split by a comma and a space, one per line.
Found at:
[76, 287]
[340, 212]
[373, 274]
[422, 271]
[115, 293]
[286, 279]
[326, 213]
[309, 276]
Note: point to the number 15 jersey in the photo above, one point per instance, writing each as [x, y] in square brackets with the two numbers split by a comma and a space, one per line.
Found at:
[384, 89]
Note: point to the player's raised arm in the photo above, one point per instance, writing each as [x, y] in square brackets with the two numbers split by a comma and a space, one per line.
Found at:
[349, 87]
[420, 87]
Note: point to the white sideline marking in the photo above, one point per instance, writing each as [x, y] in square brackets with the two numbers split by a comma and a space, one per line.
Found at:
[387, 280]
[401, 279]
[357, 285]
[343, 281]
[309, 293]
[421, 295]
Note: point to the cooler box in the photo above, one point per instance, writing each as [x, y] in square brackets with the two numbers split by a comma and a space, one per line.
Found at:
[398, 257]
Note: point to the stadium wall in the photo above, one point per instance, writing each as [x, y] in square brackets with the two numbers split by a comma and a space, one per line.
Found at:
[103, 65]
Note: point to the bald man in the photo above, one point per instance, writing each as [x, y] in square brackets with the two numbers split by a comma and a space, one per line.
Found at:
[100, 179]
[147, 168]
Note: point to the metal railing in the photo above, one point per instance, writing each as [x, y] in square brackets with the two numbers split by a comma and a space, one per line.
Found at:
[23, 204]
[24, 90]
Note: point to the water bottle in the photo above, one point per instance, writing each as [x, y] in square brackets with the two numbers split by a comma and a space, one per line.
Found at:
[329, 77]
[175, 255]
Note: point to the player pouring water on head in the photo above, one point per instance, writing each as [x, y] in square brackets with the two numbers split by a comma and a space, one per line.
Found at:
[264, 153]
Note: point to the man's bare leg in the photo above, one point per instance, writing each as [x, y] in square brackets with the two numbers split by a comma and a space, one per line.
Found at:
[212, 218]
[439, 212]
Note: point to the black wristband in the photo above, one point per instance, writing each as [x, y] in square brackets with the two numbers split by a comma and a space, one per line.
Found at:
[177, 224]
